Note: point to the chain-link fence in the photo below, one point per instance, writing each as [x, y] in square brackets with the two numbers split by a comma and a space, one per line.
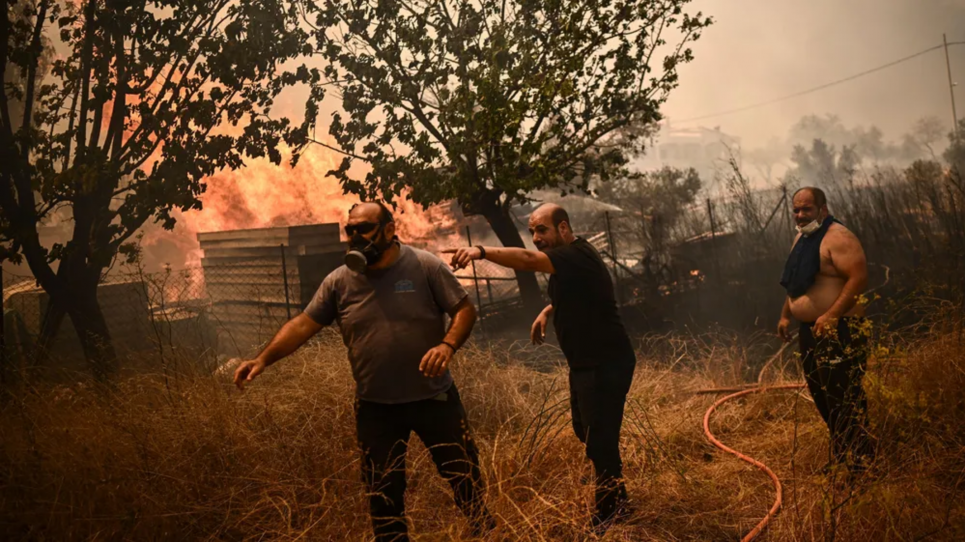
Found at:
[493, 288]
[206, 313]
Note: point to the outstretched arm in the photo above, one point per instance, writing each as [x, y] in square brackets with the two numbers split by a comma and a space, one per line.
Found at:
[519, 259]
[289, 338]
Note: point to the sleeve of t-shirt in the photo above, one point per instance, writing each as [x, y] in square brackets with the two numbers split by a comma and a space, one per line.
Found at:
[323, 307]
[567, 260]
[446, 289]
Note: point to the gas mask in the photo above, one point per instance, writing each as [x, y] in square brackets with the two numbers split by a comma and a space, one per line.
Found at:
[363, 252]
[809, 228]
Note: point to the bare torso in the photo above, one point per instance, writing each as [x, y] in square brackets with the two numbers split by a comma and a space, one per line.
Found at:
[826, 289]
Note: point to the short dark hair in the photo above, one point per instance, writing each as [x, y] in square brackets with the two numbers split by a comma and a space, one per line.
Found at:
[820, 199]
[560, 216]
[385, 215]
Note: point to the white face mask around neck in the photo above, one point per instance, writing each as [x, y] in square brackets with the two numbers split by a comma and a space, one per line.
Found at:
[809, 228]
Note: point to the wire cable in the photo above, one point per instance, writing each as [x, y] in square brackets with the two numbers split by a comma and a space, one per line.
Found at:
[817, 88]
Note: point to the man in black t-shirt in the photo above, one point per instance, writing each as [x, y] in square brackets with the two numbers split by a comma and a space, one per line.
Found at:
[591, 335]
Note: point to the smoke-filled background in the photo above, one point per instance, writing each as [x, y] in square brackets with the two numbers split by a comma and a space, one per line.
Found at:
[757, 51]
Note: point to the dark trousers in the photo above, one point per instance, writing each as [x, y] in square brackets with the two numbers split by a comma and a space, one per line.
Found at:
[834, 365]
[597, 399]
[441, 424]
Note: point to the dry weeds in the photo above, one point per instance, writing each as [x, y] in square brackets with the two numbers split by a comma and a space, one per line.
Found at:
[189, 457]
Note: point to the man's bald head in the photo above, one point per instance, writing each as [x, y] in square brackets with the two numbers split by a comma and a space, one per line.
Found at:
[371, 211]
[556, 214]
[550, 226]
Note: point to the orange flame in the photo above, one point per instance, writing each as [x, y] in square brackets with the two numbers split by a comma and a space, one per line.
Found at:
[264, 195]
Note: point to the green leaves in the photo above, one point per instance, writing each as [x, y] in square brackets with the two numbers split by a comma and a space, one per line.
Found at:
[501, 97]
[144, 99]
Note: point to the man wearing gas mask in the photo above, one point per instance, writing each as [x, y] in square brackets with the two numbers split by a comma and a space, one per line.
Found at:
[389, 301]
[591, 334]
[825, 275]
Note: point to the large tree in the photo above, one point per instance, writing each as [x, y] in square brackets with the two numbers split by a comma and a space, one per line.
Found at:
[822, 164]
[142, 100]
[485, 101]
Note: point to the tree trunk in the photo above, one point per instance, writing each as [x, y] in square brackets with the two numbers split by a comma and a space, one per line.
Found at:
[73, 293]
[49, 328]
[95, 339]
[505, 229]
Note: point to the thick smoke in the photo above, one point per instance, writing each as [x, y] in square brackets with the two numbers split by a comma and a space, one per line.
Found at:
[757, 51]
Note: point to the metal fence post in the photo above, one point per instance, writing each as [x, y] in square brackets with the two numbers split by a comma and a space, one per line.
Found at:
[3, 334]
[284, 272]
[713, 237]
[613, 256]
[475, 280]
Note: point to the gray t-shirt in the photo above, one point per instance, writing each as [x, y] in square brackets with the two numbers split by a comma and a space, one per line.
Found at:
[389, 319]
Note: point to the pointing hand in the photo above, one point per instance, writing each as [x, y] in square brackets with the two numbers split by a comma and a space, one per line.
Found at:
[462, 257]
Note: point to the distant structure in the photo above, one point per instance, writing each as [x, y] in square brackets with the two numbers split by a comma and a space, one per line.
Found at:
[704, 149]
[246, 273]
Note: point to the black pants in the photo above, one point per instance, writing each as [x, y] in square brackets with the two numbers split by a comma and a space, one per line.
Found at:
[597, 399]
[834, 365]
[441, 424]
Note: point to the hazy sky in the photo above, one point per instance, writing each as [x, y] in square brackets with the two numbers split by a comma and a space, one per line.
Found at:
[762, 49]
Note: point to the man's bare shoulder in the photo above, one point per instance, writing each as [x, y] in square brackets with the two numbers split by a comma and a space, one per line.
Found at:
[840, 233]
[838, 238]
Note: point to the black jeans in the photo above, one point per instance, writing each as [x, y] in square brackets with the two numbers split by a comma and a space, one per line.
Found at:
[597, 399]
[441, 424]
[834, 365]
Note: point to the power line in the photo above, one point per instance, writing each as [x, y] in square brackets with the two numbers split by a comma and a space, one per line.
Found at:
[817, 88]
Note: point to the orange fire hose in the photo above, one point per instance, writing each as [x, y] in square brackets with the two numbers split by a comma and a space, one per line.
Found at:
[777, 483]
[759, 528]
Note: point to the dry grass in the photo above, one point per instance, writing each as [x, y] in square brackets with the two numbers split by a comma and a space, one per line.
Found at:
[189, 457]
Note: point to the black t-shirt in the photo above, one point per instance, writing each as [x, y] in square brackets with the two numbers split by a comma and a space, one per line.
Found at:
[585, 314]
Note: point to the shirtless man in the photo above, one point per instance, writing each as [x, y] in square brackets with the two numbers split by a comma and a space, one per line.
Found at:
[825, 275]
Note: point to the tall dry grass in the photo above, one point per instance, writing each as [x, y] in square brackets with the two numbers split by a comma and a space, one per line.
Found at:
[188, 457]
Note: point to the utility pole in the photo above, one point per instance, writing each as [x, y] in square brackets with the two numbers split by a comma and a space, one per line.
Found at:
[787, 211]
[951, 86]
[613, 256]
[475, 281]
[713, 239]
